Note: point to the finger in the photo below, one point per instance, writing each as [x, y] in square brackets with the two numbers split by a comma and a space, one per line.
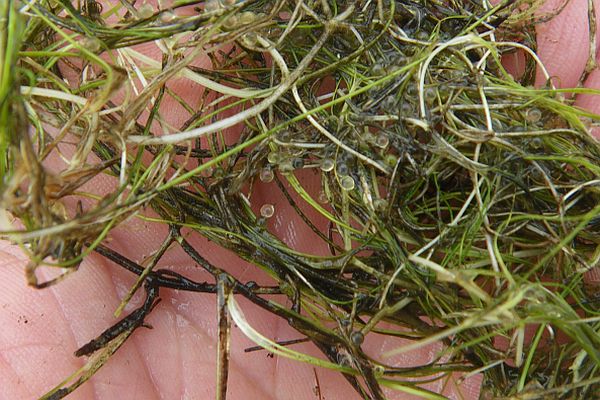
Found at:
[563, 42]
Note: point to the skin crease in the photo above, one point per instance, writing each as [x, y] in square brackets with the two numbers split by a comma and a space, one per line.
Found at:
[176, 359]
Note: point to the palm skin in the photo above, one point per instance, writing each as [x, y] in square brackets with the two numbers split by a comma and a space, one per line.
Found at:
[176, 359]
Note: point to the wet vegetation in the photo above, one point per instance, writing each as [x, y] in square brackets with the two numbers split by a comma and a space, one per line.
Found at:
[462, 202]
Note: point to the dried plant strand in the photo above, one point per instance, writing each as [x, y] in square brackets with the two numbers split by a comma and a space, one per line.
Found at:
[460, 203]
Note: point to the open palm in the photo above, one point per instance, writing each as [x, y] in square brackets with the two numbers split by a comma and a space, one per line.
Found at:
[40, 329]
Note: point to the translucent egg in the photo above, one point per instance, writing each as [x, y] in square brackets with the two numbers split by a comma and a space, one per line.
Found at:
[430, 95]
[378, 69]
[323, 198]
[207, 172]
[297, 163]
[389, 103]
[90, 44]
[327, 164]
[391, 160]
[347, 183]
[382, 141]
[380, 204]
[406, 109]
[286, 166]
[231, 22]
[145, 11]
[342, 168]
[167, 16]
[273, 157]
[400, 60]
[357, 337]
[212, 5]
[266, 175]
[533, 115]
[411, 89]
[247, 17]
[422, 35]
[537, 143]
[267, 210]
[249, 39]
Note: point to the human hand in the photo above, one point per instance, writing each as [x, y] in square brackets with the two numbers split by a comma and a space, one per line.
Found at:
[177, 358]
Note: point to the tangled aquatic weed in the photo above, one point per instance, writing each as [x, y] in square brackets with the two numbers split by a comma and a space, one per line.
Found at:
[462, 202]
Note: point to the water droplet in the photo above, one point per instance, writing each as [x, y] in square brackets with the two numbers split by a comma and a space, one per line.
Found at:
[266, 175]
[347, 183]
[327, 164]
[267, 210]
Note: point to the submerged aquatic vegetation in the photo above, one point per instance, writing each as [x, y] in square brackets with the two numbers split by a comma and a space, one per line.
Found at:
[462, 202]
